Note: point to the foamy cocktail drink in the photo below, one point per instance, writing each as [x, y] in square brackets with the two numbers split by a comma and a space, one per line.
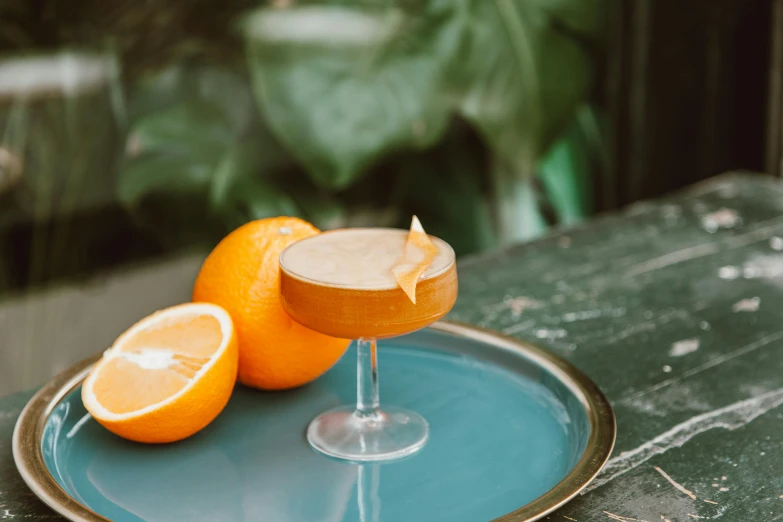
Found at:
[342, 283]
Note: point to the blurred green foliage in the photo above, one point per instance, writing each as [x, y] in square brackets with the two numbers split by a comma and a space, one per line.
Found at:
[466, 111]
[198, 159]
[474, 114]
[343, 87]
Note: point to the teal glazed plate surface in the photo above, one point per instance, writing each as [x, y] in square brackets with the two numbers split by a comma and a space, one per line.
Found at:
[515, 433]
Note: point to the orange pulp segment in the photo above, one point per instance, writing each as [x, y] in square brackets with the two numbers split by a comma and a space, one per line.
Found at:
[166, 377]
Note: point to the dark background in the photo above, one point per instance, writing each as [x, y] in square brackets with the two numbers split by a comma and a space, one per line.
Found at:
[687, 85]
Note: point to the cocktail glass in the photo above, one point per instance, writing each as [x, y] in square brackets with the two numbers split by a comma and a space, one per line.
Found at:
[340, 283]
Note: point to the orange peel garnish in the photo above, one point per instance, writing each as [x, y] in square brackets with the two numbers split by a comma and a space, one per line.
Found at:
[417, 256]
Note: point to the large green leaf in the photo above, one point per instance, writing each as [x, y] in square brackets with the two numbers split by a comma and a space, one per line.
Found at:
[198, 156]
[166, 194]
[343, 86]
[227, 90]
[563, 173]
[239, 193]
[529, 67]
[566, 170]
[322, 210]
[163, 173]
[215, 103]
[176, 151]
[253, 198]
[584, 19]
[196, 127]
[525, 76]
[517, 207]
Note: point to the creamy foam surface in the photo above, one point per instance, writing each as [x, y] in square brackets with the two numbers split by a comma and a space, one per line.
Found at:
[356, 257]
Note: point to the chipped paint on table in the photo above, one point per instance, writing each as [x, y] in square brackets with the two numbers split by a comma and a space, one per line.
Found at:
[673, 308]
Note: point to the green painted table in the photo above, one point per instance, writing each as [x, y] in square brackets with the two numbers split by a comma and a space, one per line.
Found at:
[674, 308]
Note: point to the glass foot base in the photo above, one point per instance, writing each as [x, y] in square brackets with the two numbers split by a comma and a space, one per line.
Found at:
[392, 434]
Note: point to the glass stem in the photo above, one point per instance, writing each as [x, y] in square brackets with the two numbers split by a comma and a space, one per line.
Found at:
[367, 401]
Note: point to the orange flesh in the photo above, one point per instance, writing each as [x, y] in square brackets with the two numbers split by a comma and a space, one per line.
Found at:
[124, 386]
[199, 336]
[353, 313]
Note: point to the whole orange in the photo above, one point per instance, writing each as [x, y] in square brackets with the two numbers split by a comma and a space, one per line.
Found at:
[242, 275]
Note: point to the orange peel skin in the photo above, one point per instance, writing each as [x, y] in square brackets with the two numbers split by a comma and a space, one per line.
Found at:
[418, 253]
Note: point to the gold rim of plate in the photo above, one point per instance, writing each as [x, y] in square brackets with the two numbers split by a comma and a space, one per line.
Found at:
[29, 428]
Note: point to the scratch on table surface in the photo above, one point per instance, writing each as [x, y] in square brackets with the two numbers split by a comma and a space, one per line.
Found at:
[693, 516]
[545, 333]
[763, 267]
[672, 258]
[517, 305]
[679, 487]
[684, 347]
[750, 304]
[647, 326]
[759, 231]
[519, 327]
[729, 417]
[594, 313]
[721, 218]
[710, 501]
[621, 518]
[729, 272]
[569, 518]
[755, 345]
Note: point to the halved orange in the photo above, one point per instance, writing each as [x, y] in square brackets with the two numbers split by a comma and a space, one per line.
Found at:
[417, 255]
[167, 377]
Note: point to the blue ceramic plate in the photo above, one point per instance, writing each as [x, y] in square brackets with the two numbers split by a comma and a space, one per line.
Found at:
[515, 432]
